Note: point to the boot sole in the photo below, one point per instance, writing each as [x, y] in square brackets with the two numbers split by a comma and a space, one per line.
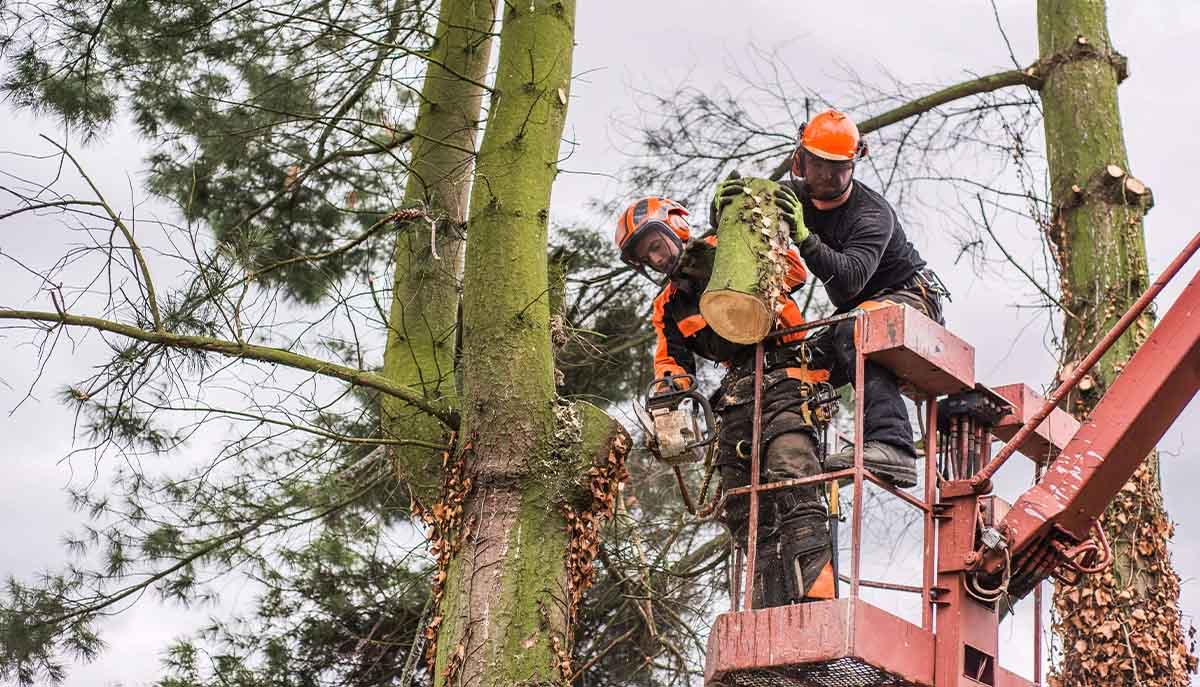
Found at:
[895, 476]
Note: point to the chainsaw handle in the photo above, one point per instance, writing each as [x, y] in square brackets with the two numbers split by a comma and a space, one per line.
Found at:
[710, 421]
[675, 395]
[672, 382]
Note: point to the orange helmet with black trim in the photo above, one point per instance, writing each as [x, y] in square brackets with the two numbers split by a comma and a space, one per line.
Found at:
[645, 217]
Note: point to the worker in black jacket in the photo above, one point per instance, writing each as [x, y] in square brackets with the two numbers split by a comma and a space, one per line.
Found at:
[851, 239]
[794, 555]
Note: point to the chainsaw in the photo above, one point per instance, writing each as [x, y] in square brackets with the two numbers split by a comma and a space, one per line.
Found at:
[680, 427]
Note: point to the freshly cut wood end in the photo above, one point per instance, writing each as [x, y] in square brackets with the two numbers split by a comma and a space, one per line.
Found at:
[739, 317]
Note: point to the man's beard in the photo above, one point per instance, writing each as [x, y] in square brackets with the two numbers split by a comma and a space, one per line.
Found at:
[822, 192]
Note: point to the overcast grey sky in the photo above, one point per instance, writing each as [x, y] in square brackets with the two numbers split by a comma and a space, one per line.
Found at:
[623, 44]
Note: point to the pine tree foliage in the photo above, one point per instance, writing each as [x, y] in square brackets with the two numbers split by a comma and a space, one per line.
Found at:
[281, 464]
[291, 493]
[342, 608]
[276, 124]
[299, 520]
[606, 341]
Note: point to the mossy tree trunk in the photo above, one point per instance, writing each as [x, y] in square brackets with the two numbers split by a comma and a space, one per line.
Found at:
[425, 292]
[1121, 627]
[743, 294]
[530, 473]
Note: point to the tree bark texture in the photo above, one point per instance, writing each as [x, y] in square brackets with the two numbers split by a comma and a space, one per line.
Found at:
[743, 294]
[1123, 626]
[428, 258]
[508, 594]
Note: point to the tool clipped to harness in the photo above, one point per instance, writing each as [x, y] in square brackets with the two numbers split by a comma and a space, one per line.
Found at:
[679, 427]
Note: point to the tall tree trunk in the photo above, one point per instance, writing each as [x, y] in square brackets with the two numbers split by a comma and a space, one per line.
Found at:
[424, 308]
[1121, 627]
[518, 524]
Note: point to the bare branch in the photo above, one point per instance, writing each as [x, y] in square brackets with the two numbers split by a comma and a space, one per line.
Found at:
[987, 226]
[984, 84]
[309, 429]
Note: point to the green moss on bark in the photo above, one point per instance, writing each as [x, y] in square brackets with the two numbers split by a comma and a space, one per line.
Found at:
[509, 575]
[749, 266]
[425, 291]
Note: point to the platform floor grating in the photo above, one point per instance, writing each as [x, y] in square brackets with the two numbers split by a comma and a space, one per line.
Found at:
[841, 672]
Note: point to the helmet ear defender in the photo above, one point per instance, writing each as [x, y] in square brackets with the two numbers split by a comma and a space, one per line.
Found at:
[794, 170]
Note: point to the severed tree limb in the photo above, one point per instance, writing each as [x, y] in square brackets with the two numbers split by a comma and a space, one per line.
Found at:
[234, 349]
[984, 84]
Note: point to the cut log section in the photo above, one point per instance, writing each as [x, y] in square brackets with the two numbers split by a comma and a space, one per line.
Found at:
[744, 294]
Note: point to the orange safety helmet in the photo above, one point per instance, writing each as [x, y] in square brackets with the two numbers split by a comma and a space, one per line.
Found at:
[646, 216]
[831, 135]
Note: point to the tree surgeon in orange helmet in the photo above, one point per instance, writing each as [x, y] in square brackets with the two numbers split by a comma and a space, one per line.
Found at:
[851, 239]
[794, 553]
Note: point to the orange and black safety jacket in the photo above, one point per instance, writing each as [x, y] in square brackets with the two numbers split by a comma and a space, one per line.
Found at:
[682, 332]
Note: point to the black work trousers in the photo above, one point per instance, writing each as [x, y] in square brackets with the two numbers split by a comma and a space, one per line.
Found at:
[885, 418]
[793, 543]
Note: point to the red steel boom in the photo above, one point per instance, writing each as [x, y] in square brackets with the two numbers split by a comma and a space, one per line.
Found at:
[1051, 524]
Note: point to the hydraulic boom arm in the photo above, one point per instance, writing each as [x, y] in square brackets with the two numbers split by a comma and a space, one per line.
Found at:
[1049, 528]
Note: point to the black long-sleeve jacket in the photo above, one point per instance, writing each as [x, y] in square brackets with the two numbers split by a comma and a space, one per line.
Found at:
[857, 249]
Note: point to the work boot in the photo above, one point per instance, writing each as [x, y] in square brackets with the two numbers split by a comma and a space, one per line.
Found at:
[892, 464]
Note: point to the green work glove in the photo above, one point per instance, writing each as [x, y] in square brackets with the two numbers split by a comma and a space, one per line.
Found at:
[727, 190]
[792, 212]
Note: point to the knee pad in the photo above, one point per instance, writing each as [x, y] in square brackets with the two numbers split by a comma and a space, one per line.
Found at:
[792, 454]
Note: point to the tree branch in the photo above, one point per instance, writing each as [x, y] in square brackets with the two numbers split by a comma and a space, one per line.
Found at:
[688, 566]
[43, 206]
[984, 84]
[133, 246]
[398, 139]
[398, 216]
[208, 548]
[987, 226]
[310, 429]
[243, 350]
